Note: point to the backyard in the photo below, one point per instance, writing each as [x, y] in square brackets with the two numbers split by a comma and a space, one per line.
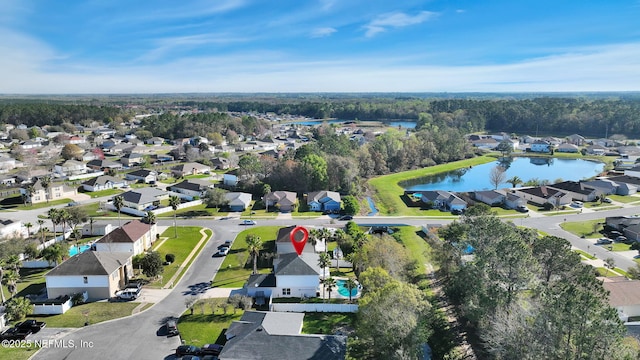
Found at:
[208, 322]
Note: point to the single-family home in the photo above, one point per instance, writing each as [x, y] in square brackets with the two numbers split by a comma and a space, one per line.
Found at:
[596, 150]
[440, 199]
[624, 296]
[142, 175]
[55, 191]
[284, 245]
[103, 165]
[576, 139]
[567, 148]
[277, 335]
[542, 194]
[324, 201]
[220, 163]
[132, 159]
[156, 141]
[238, 201]
[485, 143]
[31, 144]
[99, 273]
[603, 186]
[284, 201]
[229, 180]
[576, 190]
[490, 197]
[632, 232]
[513, 201]
[541, 146]
[191, 168]
[97, 229]
[143, 198]
[70, 168]
[627, 185]
[192, 187]
[103, 182]
[133, 237]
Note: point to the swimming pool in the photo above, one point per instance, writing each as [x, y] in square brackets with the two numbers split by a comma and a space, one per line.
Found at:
[342, 289]
[73, 250]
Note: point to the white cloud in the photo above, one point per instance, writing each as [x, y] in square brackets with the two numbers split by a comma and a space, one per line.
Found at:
[322, 32]
[327, 4]
[396, 20]
[168, 44]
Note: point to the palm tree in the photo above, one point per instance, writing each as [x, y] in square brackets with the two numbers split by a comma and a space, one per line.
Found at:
[40, 223]
[28, 225]
[18, 308]
[350, 284]
[54, 216]
[118, 203]
[53, 253]
[92, 220]
[174, 201]
[45, 181]
[254, 245]
[65, 218]
[324, 261]
[514, 181]
[13, 262]
[2, 272]
[10, 279]
[266, 188]
[314, 236]
[150, 218]
[328, 284]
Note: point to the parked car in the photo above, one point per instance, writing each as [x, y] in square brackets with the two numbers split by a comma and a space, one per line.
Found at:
[73, 203]
[183, 350]
[15, 334]
[607, 200]
[32, 325]
[211, 349]
[172, 328]
[222, 251]
[127, 294]
[622, 239]
[227, 243]
[603, 241]
[457, 212]
[577, 204]
[345, 217]
[248, 222]
[614, 234]
[522, 208]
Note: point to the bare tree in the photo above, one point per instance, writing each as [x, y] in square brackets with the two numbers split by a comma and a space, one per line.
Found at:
[497, 176]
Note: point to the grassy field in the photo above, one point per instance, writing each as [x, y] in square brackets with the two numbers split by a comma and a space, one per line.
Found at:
[237, 267]
[624, 199]
[388, 194]
[585, 254]
[419, 250]
[181, 247]
[15, 203]
[93, 312]
[327, 323]
[620, 246]
[31, 282]
[101, 193]
[206, 328]
[16, 353]
[584, 228]
[195, 211]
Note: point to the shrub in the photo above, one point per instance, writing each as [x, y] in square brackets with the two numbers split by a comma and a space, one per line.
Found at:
[170, 258]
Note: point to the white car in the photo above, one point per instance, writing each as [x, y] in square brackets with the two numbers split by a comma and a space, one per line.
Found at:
[577, 204]
[223, 251]
[248, 222]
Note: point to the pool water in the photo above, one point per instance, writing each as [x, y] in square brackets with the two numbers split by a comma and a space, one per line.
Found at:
[342, 289]
[73, 250]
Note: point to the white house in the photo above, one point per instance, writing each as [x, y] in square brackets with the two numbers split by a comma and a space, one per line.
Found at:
[103, 182]
[143, 198]
[70, 168]
[133, 237]
[97, 229]
[490, 197]
[297, 276]
[624, 295]
[541, 146]
[55, 191]
[576, 190]
[100, 274]
[143, 175]
[543, 194]
[192, 187]
[10, 228]
[238, 201]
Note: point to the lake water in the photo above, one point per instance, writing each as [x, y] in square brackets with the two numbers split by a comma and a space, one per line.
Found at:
[477, 177]
[396, 124]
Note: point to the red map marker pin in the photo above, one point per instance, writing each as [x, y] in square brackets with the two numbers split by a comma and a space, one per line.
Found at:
[299, 244]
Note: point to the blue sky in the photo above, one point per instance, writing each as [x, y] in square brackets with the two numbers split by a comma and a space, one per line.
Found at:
[162, 46]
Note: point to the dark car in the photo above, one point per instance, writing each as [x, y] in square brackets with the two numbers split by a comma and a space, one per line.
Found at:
[172, 328]
[191, 357]
[211, 349]
[345, 217]
[32, 325]
[522, 208]
[16, 334]
[183, 350]
[457, 212]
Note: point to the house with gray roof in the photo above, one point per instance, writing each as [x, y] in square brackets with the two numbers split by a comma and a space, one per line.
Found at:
[324, 201]
[490, 197]
[143, 175]
[277, 335]
[603, 186]
[134, 237]
[627, 185]
[285, 201]
[103, 182]
[100, 274]
[192, 187]
[98, 164]
[543, 194]
[191, 168]
[440, 199]
[568, 148]
[238, 201]
[576, 190]
[142, 198]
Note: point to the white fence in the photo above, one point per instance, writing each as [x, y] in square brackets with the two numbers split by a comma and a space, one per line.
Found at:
[51, 309]
[126, 210]
[37, 264]
[86, 176]
[299, 308]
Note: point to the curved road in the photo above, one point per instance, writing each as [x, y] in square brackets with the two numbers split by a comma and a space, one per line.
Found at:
[140, 335]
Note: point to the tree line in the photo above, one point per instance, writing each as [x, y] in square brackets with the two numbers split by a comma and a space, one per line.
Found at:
[526, 296]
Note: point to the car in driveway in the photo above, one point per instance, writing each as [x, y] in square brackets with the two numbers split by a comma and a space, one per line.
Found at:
[15, 334]
[211, 349]
[127, 294]
[183, 350]
[32, 325]
[522, 208]
[577, 204]
[622, 239]
[248, 222]
[607, 200]
[603, 241]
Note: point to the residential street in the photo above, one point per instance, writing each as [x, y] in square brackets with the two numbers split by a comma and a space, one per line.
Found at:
[139, 335]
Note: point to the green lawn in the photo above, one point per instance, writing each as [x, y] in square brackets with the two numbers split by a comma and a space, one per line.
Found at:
[31, 282]
[205, 328]
[624, 199]
[620, 246]
[15, 203]
[327, 323]
[585, 254]
[584, 228]
[95, 312]
[15, 353]
[181, 247]
[388, 194]
[101, 193]
[602, 271]
[418, 248]
[195, 211]
[237, 267]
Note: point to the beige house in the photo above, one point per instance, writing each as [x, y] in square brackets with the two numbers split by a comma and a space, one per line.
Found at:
[56, 191]
[624, 295]
[133, 237]
[100, 274]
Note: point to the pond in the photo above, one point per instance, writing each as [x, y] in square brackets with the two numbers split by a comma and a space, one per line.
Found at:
[477, 177]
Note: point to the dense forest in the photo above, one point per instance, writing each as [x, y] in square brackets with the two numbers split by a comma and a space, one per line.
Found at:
[587, 115]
